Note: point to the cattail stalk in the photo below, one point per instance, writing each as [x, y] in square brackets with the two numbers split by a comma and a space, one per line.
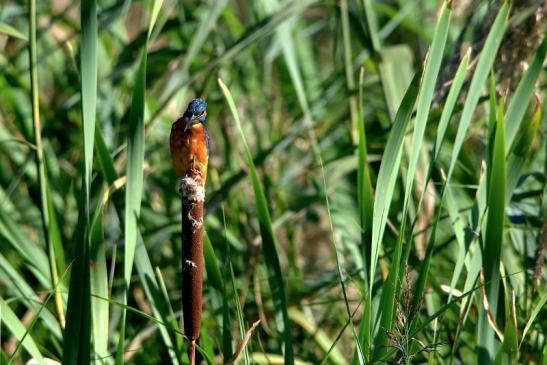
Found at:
[192, 197]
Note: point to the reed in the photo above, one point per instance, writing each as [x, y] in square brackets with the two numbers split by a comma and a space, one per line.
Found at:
[192, 203]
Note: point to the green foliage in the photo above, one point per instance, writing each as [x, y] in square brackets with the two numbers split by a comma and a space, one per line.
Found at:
[76, 347]
[271, 257]
[368, 190]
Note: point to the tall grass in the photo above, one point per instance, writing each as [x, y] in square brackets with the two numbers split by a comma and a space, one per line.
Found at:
[337, 130]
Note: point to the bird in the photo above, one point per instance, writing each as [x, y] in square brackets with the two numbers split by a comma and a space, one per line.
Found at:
[189, 141]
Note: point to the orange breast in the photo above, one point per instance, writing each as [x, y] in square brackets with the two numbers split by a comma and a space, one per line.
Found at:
[189, 149]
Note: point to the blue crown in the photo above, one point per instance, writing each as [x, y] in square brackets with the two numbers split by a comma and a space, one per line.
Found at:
[197, 106]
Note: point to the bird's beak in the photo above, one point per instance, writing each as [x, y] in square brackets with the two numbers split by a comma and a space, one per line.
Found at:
[190, 121]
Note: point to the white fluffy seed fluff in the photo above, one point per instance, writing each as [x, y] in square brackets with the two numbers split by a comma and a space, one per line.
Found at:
[196, 223]
[192, 189]
[191, 264]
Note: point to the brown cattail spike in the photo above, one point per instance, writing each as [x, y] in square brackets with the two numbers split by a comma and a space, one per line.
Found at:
[192, 197]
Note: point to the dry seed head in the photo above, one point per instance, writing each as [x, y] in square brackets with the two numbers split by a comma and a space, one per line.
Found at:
[192, 189]
[520, 43]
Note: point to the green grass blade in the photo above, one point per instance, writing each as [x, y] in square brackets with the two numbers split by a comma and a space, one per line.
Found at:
[40, 163]
[493, 239]
[12, 32]
[515, 113]
[77, 335]
[35, 257]
[140, 313]
[522, 150]
[23, 335]
[88, 73]
[77, 344]
[484, 64]
[170, 317]
[389, 170]
[239, 312]
[214, 275]
[457, 222]
[365, 198]
[152, 284]
[540, 306]
[99, 283]
[525, 89]
[275, 276]
[492, 116]
[508, 352]
[372, 24]
[387, 176]
[455, 89]
[9, 318]
[348, 67]
[216, 279]
[387, 303]
[55, 238]
[99, 274]
[427, 87]
[161, 308]
[384, 192]
[450, 102]
[135, 155]
[365, 193]
[18, 286]
[395, 70]
[135, 162]
[104, 160]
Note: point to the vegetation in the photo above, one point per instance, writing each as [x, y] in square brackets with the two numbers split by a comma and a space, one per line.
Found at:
[376, 189]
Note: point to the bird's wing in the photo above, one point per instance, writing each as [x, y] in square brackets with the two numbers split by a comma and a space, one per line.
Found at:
[207, 140]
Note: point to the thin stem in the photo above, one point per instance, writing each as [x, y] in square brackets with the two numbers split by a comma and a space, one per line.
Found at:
[39, 156]
[192, 352]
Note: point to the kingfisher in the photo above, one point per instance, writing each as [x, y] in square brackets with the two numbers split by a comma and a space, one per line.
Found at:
[189, 141]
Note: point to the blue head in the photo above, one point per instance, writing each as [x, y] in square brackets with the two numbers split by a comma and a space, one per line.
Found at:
[196, 111]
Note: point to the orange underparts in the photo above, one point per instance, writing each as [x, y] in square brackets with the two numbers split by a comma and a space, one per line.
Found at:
[189, 149]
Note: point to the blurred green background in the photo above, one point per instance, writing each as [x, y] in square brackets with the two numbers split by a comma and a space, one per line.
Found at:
[319, 87]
